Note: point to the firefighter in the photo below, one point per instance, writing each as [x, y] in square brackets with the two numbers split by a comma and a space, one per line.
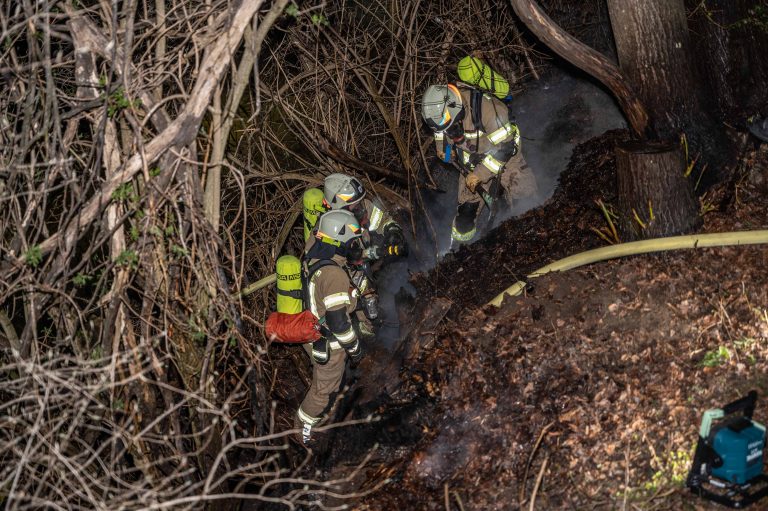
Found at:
[474, 130]
[381, 231]
[383, 239]
[337, 246]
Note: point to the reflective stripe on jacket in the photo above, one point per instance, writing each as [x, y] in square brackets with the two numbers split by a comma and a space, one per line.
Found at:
[329, 289]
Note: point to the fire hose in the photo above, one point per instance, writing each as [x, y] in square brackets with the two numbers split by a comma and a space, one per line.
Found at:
[372, 253]
[634, 248]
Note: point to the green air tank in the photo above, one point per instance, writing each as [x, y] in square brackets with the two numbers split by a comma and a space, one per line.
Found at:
[478, 74]
[289, 294]
[313, 208]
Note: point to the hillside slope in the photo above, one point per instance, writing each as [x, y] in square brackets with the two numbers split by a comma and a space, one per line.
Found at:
[601, 373]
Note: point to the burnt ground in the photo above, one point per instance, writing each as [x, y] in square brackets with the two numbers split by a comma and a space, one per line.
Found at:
[587, 391]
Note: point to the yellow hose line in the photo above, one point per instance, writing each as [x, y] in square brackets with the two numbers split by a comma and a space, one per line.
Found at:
[259, 284]
[638, 247]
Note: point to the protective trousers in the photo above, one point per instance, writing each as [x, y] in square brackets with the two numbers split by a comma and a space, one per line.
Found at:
[516, 179]
[326, 382]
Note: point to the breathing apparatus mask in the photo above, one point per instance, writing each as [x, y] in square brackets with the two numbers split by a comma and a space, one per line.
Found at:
[358, 209]
[456, 130]
[352, 250]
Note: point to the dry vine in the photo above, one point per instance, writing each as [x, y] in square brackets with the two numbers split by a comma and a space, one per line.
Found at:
[152, 158]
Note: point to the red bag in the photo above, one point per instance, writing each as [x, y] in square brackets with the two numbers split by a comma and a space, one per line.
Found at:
[295, 328]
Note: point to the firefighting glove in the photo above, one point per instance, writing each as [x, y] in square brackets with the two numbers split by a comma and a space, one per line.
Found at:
[505, 151]
[372, 253]
[393, 234]
[321, 352]
[396, 250]
[375, 248]
[472, 181]
[394, 241]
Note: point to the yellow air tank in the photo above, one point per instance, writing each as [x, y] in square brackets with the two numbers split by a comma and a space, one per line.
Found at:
[289, 294]
[478, 74]
[313, 208]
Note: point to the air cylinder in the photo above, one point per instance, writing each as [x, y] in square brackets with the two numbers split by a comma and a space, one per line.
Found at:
[313, 208]
[289, 295]
[478, 74]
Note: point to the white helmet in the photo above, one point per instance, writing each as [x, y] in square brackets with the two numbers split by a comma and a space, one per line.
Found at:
[441, 106]
[338, 227]
[340, 190]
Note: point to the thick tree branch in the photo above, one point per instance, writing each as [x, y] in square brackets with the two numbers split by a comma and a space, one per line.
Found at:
[94, 40]
[586, 59]
[337, 154]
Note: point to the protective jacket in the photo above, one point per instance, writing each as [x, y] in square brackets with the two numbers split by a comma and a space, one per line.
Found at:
[376, 218]
[331, 301]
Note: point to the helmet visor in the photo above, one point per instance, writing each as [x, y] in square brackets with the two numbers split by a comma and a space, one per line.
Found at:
[442, 107]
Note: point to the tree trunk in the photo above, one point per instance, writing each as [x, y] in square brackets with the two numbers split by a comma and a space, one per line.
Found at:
[732, 36]
[222, 121]
[656, 90]
[655, 197]
[655, 54]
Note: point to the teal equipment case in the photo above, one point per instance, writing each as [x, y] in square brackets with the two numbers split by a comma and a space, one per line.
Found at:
[727, 466]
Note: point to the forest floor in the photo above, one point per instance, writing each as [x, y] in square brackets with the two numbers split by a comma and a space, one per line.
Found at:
[585, 393]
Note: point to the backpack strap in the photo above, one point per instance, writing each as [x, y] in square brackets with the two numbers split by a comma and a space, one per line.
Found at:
[476, 105]
[305, 279]
[312, 269]
[308, 225]
[298, 294]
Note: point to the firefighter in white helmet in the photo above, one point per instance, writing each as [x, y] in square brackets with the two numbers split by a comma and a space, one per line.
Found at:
[474, 130]
[341, 191]
[338, 246]
[383, 239]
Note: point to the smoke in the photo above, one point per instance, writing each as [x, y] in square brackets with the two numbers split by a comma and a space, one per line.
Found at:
[554, 114]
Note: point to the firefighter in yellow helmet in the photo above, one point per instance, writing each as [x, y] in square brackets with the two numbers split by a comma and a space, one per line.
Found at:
[473, 129]
[337, 246]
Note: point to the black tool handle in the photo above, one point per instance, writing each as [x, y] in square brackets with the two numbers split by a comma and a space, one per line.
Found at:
[745, 404]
